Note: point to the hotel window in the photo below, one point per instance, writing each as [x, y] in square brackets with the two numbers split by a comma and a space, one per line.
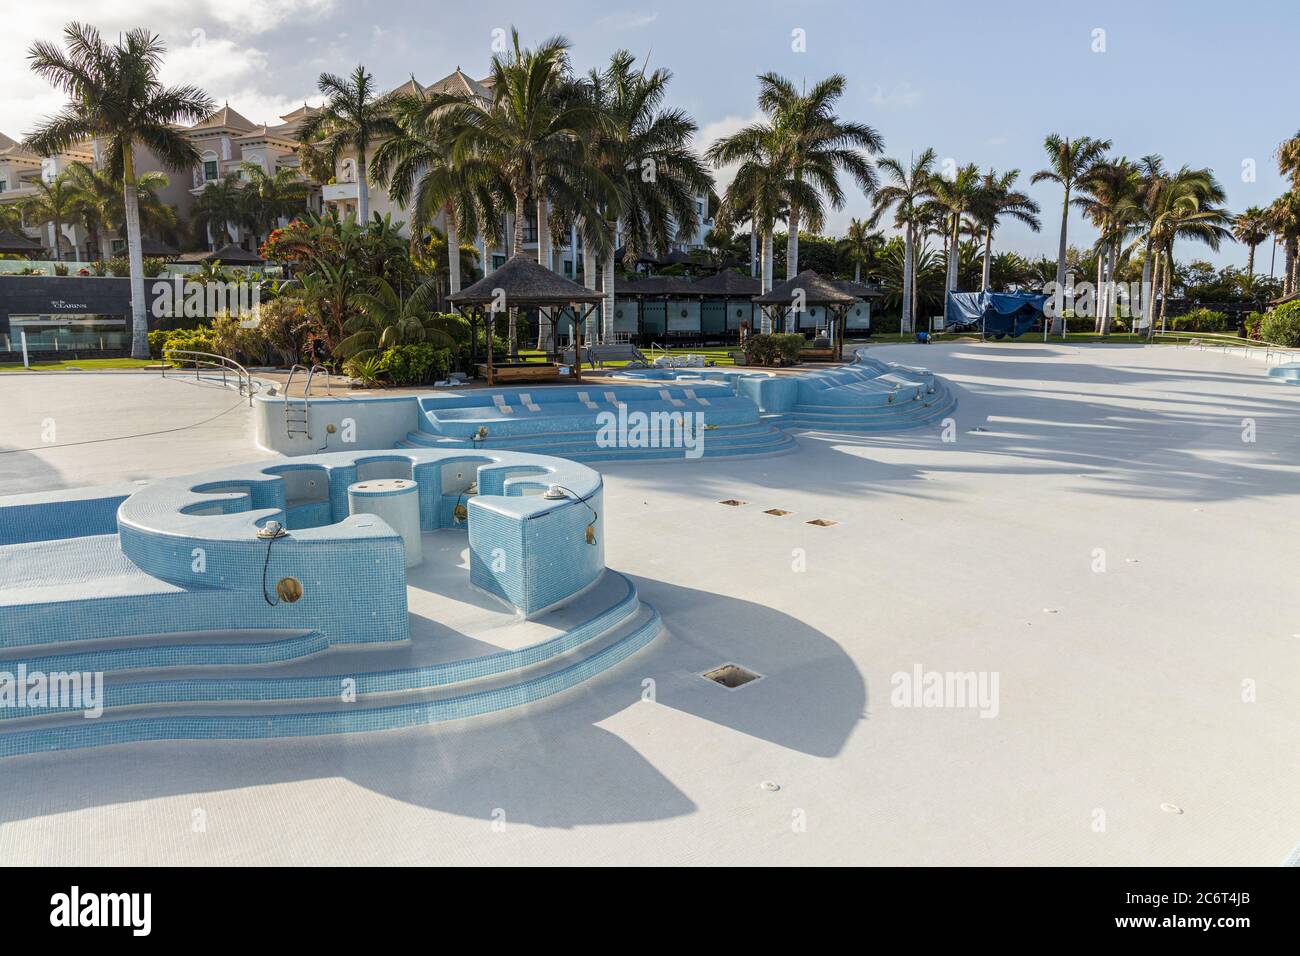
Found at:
[209, 169]
[3, 185]
[568, 267]
[498, 261]
[530, 230]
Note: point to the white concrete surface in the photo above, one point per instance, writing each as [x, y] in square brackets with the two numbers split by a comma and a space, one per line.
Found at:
[72, 429]
[1168, 677]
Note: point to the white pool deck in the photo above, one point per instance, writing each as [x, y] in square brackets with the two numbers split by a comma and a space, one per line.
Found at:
[1120, 690]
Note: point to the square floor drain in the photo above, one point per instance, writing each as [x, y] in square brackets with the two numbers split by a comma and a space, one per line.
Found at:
[779, 512]
[732, 502]
[731, 676]
[820, 522]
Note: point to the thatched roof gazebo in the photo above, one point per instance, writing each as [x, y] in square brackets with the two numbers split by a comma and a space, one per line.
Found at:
[233, 255]
[523, 283]
[804, 290]
[11, 243]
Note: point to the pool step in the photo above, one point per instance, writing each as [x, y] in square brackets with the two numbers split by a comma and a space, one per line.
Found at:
[166, 651]
[379, 710]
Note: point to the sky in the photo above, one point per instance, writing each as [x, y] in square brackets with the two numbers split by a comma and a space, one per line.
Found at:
[1200, 83]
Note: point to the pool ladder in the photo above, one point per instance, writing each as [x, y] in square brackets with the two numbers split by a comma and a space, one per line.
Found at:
[296, 417]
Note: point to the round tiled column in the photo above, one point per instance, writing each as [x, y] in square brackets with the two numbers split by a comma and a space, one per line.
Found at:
[396, 501]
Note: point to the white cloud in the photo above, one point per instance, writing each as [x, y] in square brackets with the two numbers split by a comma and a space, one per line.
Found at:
[207, 44]
[627, 21]
[900, 96]
[710, 133]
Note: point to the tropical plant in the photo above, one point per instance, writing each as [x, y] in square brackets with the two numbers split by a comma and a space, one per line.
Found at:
[266, 198]
[645, 176]
[818, 145]
[1251, 227]
[956, 196]
[1281, 326]
[115, 96]
[219, 208]
[918, 282]
[102, 206]
[1067, 161]
[353, 117]
[860, 245]
[57, 203]
[531, 135]
[384, 318]
[418, 169]
[907, 193]
[997, 198]
[1109, 197]
[1284, 217]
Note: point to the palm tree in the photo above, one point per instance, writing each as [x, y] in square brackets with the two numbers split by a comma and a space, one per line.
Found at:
[636, 135]
[761, 191]
[384, 319]
[956, 197]
[353, 117]
[417, 168]
[1251, 227]
[860, 245]
[220, 206]
[1183, 207]
[818, 145]
[997, 198]
[11, 218]
[1067, 161]
[56, 203]
[103, 207]
[115, 96]
[907, 193]
[1284, 217]
[269, 197]
[1109, 198]
[533, 134]
[921, 282]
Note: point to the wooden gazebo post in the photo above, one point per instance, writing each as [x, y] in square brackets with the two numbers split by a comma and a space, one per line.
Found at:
[491, 325]
[578, 319]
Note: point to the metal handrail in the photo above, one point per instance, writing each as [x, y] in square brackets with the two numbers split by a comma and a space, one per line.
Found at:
[212, 361]
[306, 403]
[1227, 342]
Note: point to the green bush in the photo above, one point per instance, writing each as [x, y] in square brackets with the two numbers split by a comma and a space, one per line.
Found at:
[414, 364]
[118, 266]
[1282, 326]
[1201, 320]
[157, 341]
[365, 370]
[190, 340]
[153, 267]
[781, 348]
[1253, 323]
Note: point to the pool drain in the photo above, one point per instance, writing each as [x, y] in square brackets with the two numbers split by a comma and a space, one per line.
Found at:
[731, 676]
[732, 502]
[778, 512]
[821, 522]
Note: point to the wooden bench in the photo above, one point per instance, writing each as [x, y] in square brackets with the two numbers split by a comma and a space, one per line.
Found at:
[817, 355]
[522, 372]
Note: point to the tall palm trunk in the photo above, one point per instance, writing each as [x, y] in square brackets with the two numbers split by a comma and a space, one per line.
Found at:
[608, 281]
[857, 271]
[453, 251]
[1145, 299]
[753, 251]
[1149, 312]
[792, 245]
[765, 283]
[1250, 261]
[1098, 306]
[135, 259]
[519, 248]
[363, 190]
[1061, 250]
[58, 235]
[1165, 268]
[950, 281]
[988, 257]
[908, 305]
[589, 280]
[1112, 290]
[543, 234]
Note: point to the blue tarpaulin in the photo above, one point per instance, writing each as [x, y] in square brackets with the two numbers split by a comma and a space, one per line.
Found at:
[994, 313]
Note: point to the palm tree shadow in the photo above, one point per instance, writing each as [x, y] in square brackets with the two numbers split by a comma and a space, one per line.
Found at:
[551, 764]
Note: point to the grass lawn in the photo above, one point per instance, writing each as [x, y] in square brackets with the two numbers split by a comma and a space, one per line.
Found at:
[87, 365]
